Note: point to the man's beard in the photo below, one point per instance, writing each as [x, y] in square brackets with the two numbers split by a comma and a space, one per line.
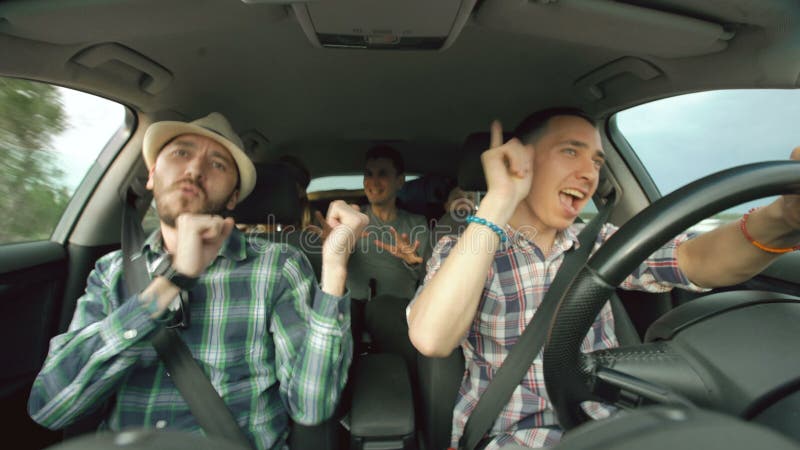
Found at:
[168, 214]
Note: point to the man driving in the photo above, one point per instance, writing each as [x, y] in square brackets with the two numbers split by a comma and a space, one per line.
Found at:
[482, 289]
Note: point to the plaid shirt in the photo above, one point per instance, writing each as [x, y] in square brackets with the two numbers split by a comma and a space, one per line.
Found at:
[515, 286]
[271, 342]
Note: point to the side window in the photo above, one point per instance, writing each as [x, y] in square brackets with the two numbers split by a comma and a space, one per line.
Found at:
[49, 138]
[683, 138]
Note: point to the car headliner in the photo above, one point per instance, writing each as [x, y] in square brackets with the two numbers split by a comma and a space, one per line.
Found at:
[254, 63]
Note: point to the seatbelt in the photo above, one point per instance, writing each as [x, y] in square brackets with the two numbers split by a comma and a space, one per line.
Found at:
[531, 341]
[623, 325]
[203, 400]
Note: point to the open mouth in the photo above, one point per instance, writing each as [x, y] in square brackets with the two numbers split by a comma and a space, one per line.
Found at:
[571, 198]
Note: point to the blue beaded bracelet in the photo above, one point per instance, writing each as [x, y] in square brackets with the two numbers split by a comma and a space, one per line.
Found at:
[492, 226]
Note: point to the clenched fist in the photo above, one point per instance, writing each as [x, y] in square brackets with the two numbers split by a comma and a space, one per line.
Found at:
[346, 225]
[200, 236]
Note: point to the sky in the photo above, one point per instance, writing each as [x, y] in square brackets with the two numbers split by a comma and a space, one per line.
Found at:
[92, 121]
[683, 138]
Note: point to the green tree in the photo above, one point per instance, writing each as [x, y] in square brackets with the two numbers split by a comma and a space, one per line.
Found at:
[32, 194]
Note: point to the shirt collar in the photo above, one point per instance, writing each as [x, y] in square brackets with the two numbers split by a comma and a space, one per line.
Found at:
[565, 239]
[234, 248]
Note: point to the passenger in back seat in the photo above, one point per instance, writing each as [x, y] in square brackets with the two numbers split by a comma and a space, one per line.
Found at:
[458, 206]
[396, 243]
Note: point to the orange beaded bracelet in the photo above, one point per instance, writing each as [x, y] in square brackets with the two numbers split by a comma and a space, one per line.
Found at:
[743, 227]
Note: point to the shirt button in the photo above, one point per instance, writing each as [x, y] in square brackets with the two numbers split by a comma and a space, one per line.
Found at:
[161, 424]
[130, 334]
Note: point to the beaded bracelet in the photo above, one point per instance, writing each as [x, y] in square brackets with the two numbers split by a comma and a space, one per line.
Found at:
[492, 226]
[743, 227]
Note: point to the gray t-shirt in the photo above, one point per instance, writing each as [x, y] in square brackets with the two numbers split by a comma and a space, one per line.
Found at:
[391, 274]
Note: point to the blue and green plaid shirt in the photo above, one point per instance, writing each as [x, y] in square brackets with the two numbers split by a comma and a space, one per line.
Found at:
[272, 343]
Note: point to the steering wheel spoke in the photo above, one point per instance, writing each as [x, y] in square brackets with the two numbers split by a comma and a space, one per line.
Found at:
[630, 377]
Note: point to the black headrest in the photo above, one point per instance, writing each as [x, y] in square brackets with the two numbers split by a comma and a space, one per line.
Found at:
[275, 194]
[417, 196]
[470, 171]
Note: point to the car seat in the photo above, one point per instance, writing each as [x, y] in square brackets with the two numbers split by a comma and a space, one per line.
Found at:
[275, 200]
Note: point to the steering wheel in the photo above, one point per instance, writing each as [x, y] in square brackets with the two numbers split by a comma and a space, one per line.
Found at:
[713, 352]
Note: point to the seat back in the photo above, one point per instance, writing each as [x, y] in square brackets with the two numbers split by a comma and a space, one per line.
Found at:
[274, 200]
[439, 380]
[385, 321]
[425, 195]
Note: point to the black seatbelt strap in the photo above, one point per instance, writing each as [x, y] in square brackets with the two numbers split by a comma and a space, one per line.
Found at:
[623, 325]
[203, 400]
[531, 341]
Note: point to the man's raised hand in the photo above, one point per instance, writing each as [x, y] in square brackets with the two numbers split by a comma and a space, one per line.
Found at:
[402, 248]
[346, 224]
[508, 167]
[200, 236]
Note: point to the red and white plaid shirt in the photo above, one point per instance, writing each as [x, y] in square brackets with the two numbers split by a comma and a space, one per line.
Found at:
[515, 286]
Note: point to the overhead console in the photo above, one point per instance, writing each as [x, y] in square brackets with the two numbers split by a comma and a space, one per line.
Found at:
[383, 24]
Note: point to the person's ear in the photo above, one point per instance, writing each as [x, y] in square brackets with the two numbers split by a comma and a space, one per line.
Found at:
[233, 200]
[150, 178]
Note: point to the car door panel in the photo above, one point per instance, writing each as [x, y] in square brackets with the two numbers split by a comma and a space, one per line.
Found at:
[784, 272]
[32, 279]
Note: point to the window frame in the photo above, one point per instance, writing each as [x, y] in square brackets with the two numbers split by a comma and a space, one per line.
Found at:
[80, 198]
[631, 159]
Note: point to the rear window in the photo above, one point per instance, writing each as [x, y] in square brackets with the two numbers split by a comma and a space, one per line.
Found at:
[348, 182]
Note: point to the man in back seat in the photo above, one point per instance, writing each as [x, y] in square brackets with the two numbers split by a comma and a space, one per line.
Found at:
[396, 242]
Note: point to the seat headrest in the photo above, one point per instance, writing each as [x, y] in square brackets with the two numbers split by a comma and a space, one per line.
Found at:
[275, 194]
[470, 171]
[428, 192]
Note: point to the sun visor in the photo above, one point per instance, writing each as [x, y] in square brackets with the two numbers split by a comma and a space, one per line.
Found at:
[613, 25]
[383, 24]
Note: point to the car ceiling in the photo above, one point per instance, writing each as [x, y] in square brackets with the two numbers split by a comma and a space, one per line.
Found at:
[254, 63]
